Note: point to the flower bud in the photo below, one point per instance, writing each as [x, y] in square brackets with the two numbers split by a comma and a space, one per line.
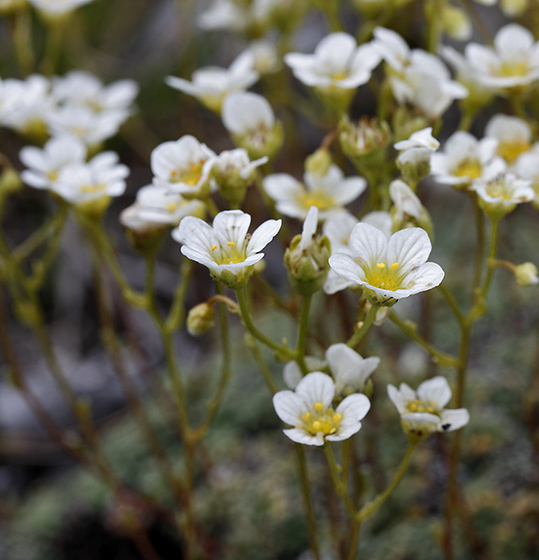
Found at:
[526, 274]
[200, 319]
[456, 23]
[10, 182]
[366, 138]
[319, 162]
[514, 8]
[144, 237]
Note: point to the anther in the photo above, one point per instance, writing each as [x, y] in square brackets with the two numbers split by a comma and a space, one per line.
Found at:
[318, 406]
[380, 265]
[395, 265]
[213, 247]
[231, 243]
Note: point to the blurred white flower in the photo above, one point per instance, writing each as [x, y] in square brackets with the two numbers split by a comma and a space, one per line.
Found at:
[514, 136]
[527, 167]
[513, 62]
[388, 269]
[159, 205]
[226, 248]
[349, 369]
[464, 159]
[56, 8]
[329, 192]
[82, 89]
[250, 120]
[183, 166]
[416, 76]
[337, 62]
[212, 84]
[227, 15]
[309, 410]
[423, 411]
[500, 195]
[101, 177]
[26, 104]
[45, 164]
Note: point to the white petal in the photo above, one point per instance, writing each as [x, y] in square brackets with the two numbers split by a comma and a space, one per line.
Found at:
[289, 407]
[397, 398]
[262, 235]
[454, 419]
[409, 248]
[436, 390]
[301, 436]
[316, 387]
[232, 226]
[353, 408]
[369, 243]
[347, 267]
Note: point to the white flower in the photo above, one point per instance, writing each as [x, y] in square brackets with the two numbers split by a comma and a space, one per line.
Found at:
[337, 62]
[101, 177]
[183, 166]
[417, 150]
[416, 76]
[81, 121]
[349, 369]
[292, 373]
[56, 8]
[499, 195]
[514, 136]
[309, 410]
[423, 412]
[45, 165]
[527, 167]
[329, 192]
[337, 228]
[407, 209]
[266, 57]
[464, 159]
[226, 248]
[388, 269]
[78, 88]
[212, 84]
[250, 120]
[25, 105]
[159, 205]
[225, 14]
[512, 63]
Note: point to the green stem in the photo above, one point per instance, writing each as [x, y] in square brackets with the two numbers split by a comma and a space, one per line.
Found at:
[253, 346]
[356, 338]
[450, 298]
[249, 325]
[493, 247]
[341, 486]
[307, 500]
[22, 39]
[443, 359]
[302, 332]
[176, 314]
[226, 370]
[53, 47]
[368, 510]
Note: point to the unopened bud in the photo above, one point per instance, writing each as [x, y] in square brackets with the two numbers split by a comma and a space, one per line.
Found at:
[200, 319]
[319, 162]
[514, 8]
[366, 138]
[10, 182]
[526, 274]
[456, 23]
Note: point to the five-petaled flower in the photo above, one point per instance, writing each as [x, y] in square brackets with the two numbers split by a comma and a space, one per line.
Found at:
[309, 410]
[423, 411]
[226, 248]
[391, 268]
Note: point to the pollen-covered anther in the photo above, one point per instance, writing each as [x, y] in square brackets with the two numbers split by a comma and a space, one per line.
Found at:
[394, 266]
[231, 243]
[318, 406]
[380, 265]
[213, 247]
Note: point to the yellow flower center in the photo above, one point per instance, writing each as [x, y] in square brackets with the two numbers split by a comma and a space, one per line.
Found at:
[190, 176]
[498, 189]
[319, 198]
[468, 168]
[509, 69]
[92, 188]
[229, 253]
[340, 76]
[420, 405]
[52, 175]
[321, 420]
[384, 276]
[509, 151]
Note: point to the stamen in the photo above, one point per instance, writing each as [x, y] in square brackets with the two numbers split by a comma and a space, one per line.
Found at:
[316, 425]
[318, 406]
[337, 417]
[213, 248]
[231, 243]
[306, 416]
[394, 266]
[381, 265]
